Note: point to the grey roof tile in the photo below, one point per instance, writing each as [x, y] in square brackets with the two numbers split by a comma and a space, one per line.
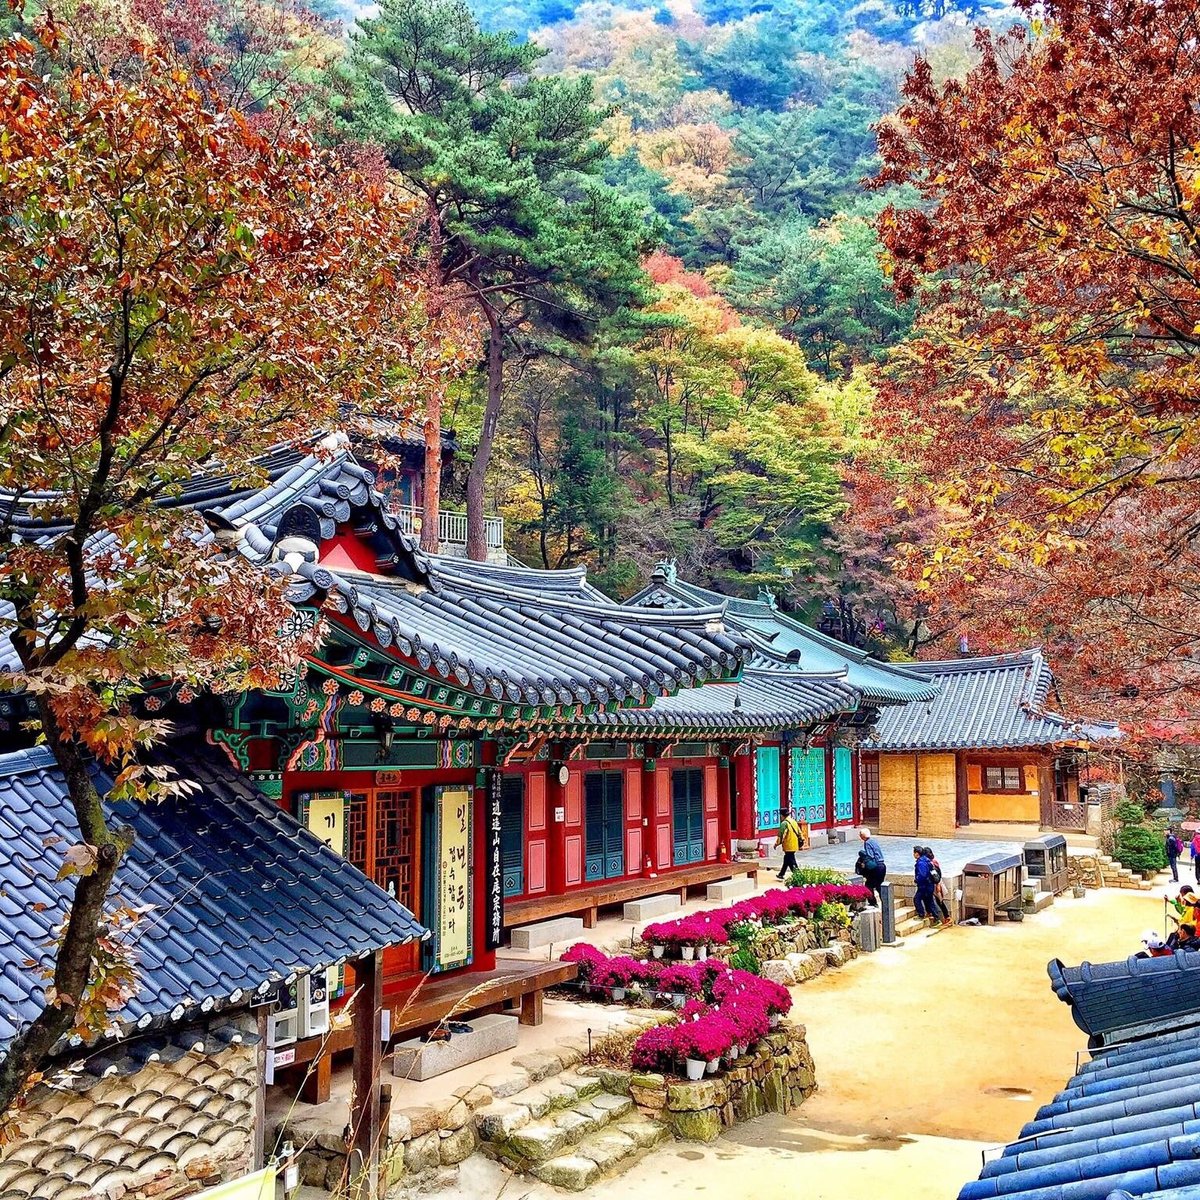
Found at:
[984, 703]
[242, 893]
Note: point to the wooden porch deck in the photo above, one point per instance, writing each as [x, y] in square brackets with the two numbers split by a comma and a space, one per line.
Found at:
[587, 901]
[511, 984]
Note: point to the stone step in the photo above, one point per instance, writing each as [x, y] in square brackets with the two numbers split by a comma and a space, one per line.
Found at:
[649, 907]
[495, 1122]
[545, 933]
[556, 1132]
[1041, 900]
[909, 926]
[612, 1151]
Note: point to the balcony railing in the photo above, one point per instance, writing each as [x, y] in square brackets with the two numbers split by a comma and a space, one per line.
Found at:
[452, 527]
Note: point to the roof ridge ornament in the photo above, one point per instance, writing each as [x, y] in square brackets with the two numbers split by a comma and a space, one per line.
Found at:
[666, 570]
[765, 595]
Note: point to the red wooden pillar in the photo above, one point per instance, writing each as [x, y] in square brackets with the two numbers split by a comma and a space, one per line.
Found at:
[724, 825]
[744, 795]
[365, 1132]
[556, 832]
[482, 958]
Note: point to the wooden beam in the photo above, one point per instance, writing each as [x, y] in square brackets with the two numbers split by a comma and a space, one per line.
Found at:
[260, 1091]
[365, 1132]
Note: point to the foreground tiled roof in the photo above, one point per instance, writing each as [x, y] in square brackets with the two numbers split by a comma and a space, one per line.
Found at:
[242, 894]
[1126, 1125]
[984, 703]
[878, 683]
[532, 637]
[1109, 1001]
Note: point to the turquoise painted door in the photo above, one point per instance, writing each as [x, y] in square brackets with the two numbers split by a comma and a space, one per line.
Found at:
[603, 825]
[512, 834]
[767, 790]
[808, 785]
[843, 785]
[687, 807]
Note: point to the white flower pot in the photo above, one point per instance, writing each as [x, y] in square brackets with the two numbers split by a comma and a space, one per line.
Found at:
[618, 994]
[774, 1019]
[701, 952]
[678, 999]
[688, 952]
[657, 951]
[712, 1066]
[735, 1052]
[695, 1068]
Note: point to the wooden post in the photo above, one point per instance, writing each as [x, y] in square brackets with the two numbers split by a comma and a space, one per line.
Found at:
[531, 1008]
[365, 1133]
[317, 1080]
[962, 791]
[260, 1091]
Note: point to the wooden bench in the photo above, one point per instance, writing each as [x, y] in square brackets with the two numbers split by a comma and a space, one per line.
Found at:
[587, 902]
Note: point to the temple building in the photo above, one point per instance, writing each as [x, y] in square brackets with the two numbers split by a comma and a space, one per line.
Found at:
[985, 748]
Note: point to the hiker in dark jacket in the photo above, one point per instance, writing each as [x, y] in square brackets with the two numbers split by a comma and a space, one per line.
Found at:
[939, 891]
[1173, 848]
[923, 877]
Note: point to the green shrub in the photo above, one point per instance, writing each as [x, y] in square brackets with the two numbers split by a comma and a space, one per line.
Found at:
[744, 959]
[743, 932]
[808, 876]
[1139, 848]
[1130, 812]
[832, 914]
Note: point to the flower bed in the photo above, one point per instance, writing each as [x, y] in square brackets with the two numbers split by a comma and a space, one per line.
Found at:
[773, 907]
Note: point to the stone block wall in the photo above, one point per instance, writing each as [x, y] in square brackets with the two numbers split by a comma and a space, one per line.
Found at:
[167, 1130]
[776, 1077]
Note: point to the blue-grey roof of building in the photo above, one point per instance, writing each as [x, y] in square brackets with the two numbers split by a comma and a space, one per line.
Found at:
[780, 635]
[761, 701]
[1110, 1001]
[533, 637]
[991, 703]
[242, 894]
[1127, 1125]
[1001, 860]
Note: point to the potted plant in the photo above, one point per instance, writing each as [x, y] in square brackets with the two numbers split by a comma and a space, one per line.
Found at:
[698, 1042]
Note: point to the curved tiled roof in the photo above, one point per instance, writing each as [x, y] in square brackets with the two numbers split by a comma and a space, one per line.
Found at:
[243, 895]
[529, 638]
[1126, 1126]
[984, 703]
[761, 701]
[878, 683]
[1107, 1000]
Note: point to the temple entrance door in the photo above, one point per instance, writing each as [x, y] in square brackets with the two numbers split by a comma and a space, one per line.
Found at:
[512, 834]
[687, 801]
[603, 825]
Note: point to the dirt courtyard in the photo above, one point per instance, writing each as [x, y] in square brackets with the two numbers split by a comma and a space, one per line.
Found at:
[926, 1056]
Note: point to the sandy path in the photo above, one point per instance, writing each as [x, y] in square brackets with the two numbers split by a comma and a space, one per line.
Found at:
[925, 1056]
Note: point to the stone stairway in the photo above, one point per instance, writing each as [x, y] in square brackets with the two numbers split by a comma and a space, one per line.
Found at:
[1112, 873]
[907, 921]
[567, 1130]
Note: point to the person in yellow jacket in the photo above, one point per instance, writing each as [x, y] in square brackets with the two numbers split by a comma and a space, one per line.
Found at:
[790, 838]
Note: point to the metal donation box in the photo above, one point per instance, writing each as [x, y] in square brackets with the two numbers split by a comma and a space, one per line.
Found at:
[1046, 861]
[990, 884]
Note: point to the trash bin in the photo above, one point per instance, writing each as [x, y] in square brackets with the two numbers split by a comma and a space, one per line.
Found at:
[991, 884]
[1046, 861]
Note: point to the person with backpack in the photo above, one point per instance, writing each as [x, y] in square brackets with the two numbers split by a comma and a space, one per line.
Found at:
[939, 888]
[789, 838]
[923, 877]
[1173, 848]
[870, 864]
[1196, 854]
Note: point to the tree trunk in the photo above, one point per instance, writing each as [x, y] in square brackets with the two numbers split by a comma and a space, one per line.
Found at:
[476, 536]
[431, 499]
[27, 1052]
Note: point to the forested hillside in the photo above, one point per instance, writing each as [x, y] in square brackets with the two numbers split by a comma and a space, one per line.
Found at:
[714, 423]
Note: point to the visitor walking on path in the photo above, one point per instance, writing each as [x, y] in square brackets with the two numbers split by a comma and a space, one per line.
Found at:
[1196, 854]
[789, 839]
[939, 888]
[870, 863]
[924, 876]
[1173, 848]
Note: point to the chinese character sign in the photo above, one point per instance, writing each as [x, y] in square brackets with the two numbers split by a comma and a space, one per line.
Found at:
[454, 876]
[494, 874]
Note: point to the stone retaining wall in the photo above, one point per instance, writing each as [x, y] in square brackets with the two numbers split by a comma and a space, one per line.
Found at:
[777, 1077]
